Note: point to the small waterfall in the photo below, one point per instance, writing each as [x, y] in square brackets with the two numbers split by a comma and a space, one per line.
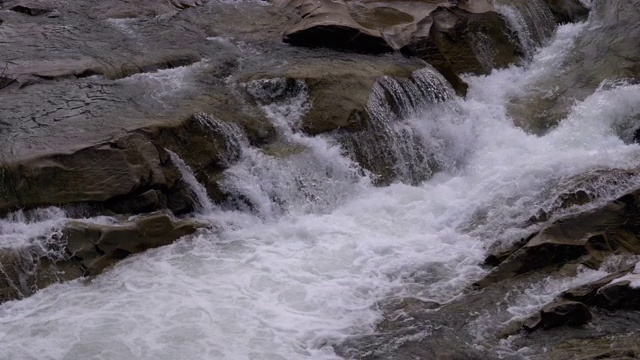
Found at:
[297, 173]
[531, 20]
[29, 246]
[230, 134]
[204, 204]
[392, 146]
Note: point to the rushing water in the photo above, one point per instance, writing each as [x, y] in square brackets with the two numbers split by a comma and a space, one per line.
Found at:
[318, 246]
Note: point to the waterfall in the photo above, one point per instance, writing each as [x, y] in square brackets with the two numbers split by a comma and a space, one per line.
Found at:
[531, 20]
[393, 145]
[297, 173]
[204, 204]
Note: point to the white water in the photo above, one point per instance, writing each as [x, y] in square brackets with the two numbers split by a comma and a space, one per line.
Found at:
[289, 285]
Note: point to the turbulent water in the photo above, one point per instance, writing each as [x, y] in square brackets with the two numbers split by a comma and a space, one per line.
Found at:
[318, 247]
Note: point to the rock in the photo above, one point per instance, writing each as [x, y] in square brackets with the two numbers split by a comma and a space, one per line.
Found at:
[97, 246]
[559, 313]
[84, 249]
[327, 23]
[338, 88]
[566, 11]
[31, 7]
[586, 238]
[455, 38]
[622, 293]
[586, 66]
[453, 41]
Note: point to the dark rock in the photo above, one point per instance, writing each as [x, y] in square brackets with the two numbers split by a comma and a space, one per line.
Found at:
[566, 11]
[31, 7]
[564, 313]
[622, 293]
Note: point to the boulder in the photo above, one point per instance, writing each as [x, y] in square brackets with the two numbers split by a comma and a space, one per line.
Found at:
[84, 249]
[560, 313]
[455, 37]
[97, 246]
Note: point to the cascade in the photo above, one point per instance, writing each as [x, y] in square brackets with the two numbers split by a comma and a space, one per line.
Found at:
[319, 249]
[204, 204]
[298, 172]
[531, 20]
[393, 145]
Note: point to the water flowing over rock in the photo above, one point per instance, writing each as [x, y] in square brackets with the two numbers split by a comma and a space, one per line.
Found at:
[609, 39]
[79, 248]
[217, 192]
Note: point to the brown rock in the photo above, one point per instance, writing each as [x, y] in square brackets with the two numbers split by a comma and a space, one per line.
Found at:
[99, 246]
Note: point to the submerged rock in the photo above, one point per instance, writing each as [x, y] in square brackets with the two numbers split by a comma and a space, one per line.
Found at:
[568, 10]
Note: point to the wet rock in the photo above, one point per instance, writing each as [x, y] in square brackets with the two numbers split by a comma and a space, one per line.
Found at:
[455, 38]
[560, 313]
[456, 41]
[566, 11]
[622, 293]
[586, 67]
[84, 249]
[339, 89]
[31, 7]
[97, 246]
[586, 238]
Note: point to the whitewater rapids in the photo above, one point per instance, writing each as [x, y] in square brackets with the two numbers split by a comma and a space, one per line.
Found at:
[290, 284]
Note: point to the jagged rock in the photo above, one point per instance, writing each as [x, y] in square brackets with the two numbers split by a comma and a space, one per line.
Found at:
[85, 249]
[568, 10]
[560, 313]
[587, 238]
[98, 246]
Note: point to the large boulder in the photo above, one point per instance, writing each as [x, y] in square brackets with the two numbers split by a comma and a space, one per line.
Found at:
[455, 37]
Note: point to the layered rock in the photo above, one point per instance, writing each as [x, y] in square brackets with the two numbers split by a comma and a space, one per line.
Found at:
[460, 37]
[84, 249]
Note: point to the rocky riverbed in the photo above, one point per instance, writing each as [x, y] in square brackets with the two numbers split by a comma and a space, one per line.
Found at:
[439, 179]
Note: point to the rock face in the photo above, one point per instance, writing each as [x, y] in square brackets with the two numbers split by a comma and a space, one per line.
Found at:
[85, 249]
[455, 37]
